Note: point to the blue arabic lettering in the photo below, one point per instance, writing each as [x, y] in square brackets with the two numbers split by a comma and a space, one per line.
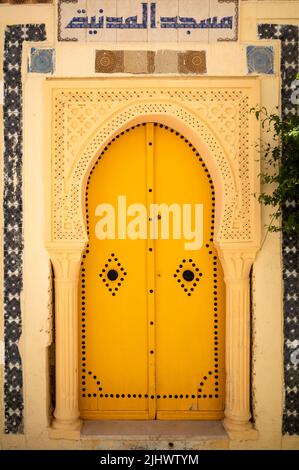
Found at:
[169, 22]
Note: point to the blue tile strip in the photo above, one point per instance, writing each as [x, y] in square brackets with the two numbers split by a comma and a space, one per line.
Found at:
[13, 218]
[288, 35]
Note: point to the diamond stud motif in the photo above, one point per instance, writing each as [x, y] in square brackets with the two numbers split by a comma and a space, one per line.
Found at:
[113, 274]
[188, 276]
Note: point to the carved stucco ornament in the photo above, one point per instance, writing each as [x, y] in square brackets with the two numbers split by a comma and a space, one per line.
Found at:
[85, 120]
[214, 114]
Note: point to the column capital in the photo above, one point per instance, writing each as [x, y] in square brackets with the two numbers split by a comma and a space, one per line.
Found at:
[66, 258]
[236, 264]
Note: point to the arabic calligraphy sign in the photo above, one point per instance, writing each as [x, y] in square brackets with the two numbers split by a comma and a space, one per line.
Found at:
[147, 21]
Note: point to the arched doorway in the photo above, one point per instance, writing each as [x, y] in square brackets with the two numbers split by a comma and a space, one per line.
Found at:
[151, 329]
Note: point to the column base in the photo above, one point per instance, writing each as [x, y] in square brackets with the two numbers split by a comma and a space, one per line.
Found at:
[240, 431]
[70, 430]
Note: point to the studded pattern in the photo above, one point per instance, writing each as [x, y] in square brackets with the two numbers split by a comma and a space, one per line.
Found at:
[182, 274]
[13, 218]
[188, 276]
[113, 274]
[288, 35]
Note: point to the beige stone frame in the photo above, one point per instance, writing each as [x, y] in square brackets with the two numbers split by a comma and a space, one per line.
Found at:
[214, 114]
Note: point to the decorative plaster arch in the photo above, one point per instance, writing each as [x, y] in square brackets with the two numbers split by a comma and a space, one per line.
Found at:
[215, 116]
[179, 118]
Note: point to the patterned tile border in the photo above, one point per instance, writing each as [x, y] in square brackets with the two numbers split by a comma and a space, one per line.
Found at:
[236, 30]
[288, 35]
[154, 62]
[13, 218]
[59, 20]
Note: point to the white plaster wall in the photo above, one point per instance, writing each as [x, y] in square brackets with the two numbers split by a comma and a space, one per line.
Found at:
[35, 295]
[36, 281]
[74, 60]
[268, 320]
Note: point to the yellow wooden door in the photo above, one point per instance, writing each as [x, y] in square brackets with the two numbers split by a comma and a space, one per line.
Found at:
[151, 311]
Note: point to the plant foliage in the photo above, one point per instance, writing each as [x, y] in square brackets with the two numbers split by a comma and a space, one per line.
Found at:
[280, 170]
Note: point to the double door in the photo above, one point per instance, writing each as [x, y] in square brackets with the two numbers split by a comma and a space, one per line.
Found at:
[151, 318]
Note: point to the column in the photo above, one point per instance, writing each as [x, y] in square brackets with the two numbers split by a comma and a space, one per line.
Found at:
[66, 264]
[237, 265]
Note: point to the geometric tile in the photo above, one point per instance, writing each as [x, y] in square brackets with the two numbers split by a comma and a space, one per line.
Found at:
[41, 60]
[109, 61]
[193, 62]
[260, 59]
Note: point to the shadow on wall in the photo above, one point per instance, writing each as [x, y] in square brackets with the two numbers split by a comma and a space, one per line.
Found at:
[51, 348]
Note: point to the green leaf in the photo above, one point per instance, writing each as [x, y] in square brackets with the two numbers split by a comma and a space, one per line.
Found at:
[280, 161]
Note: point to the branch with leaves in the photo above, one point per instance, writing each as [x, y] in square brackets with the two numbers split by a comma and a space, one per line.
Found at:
[280, 170]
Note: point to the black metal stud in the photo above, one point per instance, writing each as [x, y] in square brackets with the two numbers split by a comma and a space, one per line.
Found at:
[112, 275]
[188, 275]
